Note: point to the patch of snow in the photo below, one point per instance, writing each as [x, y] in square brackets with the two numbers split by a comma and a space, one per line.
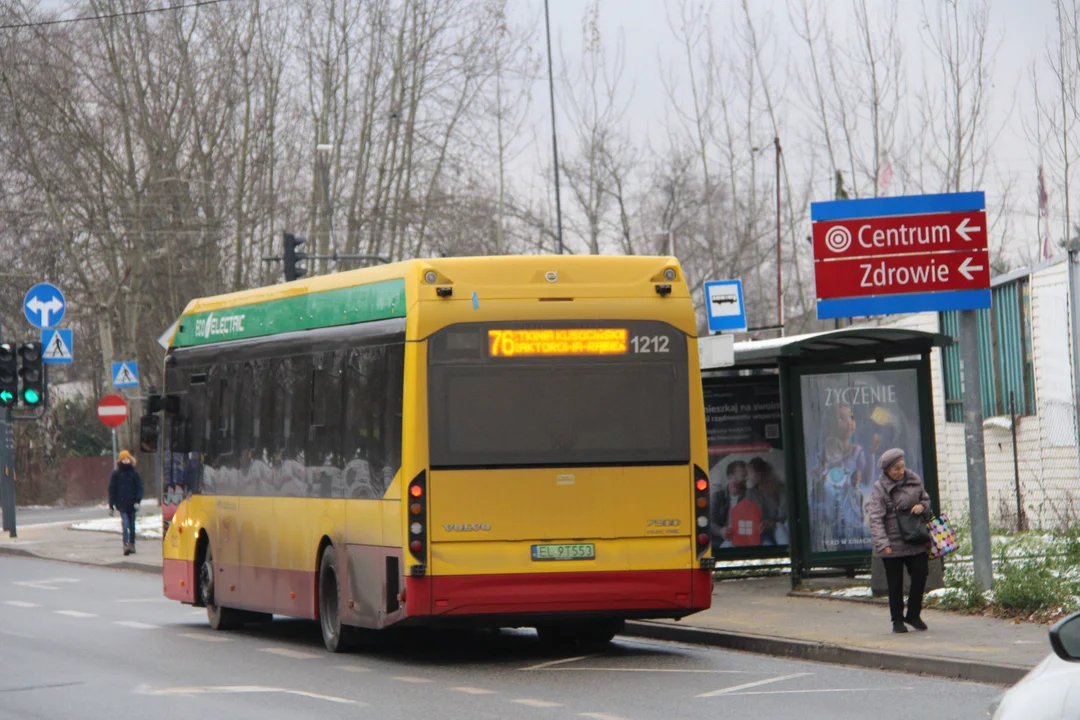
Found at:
[147, 527]
[848, 592]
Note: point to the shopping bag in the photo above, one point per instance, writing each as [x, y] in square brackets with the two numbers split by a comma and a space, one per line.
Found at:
[746, 524]
[942, 537]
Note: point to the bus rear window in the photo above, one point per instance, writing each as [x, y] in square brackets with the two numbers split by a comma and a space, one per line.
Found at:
[574, 399]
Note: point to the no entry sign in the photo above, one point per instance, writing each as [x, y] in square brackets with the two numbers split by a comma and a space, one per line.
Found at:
[112, 410]
[899, 255]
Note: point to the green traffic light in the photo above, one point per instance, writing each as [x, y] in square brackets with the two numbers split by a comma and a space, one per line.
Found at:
[6, 397]
[31, 397]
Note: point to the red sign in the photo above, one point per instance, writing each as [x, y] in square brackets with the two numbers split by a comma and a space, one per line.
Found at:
[899, 274]
[899, 235]
[112, 410]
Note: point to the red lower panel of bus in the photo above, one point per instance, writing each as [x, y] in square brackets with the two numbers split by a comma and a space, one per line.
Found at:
[179, 579]
[655, 592]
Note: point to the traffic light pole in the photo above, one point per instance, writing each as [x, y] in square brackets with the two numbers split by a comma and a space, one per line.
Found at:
[7, 469]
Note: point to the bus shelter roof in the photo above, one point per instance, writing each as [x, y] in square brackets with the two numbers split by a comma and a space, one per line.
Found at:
[845, 345]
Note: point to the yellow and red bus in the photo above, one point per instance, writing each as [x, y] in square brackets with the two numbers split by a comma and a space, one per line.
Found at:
[496, 441]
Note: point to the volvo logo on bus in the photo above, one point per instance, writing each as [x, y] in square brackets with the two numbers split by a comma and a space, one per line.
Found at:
[468, 527]
[551, 276]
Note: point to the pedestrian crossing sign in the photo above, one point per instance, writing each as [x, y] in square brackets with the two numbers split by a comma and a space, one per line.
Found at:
[125, 374]
[56, 346]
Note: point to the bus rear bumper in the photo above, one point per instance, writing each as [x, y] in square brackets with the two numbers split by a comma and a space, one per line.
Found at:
[629, 594]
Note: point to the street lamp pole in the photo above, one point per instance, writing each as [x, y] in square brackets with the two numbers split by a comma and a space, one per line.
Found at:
[779, 259]
[554, 138]
[323, 149]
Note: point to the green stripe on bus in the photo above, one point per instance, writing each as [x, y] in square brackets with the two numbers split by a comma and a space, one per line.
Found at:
[345, 306]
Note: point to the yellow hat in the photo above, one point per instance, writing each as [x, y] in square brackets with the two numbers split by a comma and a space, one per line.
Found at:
[125, 455]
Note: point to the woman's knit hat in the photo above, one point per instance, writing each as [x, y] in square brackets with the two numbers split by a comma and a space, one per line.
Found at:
[889, 458]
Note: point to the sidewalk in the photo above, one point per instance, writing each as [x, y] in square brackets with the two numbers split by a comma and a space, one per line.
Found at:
[760, 616]
[57, 541]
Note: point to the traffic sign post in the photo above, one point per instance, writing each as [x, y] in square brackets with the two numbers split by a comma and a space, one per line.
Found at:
[900, 255]
[724, 305]
[44, 305]
[112, 411]
[924, 253]
[56, 344]
[7, 466]
[125, 374]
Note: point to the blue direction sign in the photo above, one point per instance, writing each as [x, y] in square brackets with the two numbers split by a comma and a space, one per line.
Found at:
[882, 256]
[44, 305]
[56, 346]
[125, 374]
[724, 300]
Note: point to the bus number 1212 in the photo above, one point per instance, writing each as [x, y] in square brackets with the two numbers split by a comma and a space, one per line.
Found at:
[649, 343]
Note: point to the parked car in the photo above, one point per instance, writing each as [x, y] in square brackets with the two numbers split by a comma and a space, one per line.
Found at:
[1051, 691]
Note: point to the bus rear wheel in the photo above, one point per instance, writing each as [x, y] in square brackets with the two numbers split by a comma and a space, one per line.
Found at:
[337, 637]
[220, 618]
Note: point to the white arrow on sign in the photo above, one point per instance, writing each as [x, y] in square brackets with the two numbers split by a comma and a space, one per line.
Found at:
[962, 230]
[45, 309]
[966, 268]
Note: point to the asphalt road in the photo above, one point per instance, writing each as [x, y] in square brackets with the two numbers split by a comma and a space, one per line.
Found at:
[85, 642]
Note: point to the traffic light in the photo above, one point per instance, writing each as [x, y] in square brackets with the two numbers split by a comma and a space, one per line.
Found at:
[32, 374]
[9, 375]
[292, 257]
[148, 433]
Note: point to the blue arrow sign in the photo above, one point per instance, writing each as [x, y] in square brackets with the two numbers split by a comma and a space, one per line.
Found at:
[44, 305]
[125, 374]
[724, 305]
[56, 346]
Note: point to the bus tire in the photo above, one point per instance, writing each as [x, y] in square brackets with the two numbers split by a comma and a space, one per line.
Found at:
[600, 633]
[337, 637]
[220, 618]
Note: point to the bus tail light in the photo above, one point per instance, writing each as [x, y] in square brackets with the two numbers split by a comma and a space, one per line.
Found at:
[418, 517]
[701, 505]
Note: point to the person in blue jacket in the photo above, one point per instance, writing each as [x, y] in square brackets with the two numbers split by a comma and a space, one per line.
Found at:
[125, 494]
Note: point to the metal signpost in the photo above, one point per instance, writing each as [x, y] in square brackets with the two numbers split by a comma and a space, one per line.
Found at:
[7, 469]
[923, 253]
[112, 411]
[725, 306]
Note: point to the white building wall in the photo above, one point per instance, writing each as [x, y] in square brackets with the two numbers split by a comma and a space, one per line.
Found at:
[1047, 456]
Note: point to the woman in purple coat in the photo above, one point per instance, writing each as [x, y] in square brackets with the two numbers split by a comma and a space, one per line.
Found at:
[899, 491]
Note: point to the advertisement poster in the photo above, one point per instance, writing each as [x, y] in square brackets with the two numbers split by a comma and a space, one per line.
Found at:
[849, 420]
[746, 463]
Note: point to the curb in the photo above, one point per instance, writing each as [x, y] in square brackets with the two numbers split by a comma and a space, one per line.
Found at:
[122, 565]
[950, 668]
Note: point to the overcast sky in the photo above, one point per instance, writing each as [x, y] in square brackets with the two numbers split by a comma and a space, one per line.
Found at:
[1018, 35]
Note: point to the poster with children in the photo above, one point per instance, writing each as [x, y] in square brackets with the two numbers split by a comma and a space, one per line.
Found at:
[746, 463]
[849, 419]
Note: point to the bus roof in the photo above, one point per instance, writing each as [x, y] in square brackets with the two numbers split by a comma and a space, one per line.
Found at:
[390, 291]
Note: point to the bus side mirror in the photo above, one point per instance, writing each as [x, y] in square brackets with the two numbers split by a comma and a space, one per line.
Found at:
[149, 430]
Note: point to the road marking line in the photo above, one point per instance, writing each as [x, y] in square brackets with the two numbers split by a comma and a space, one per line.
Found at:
[537, 703]
[44, 584]
[657, 670]
[410, 679]
[473, 691]
[240, 689]
[136, 624]
[746, 686]
[353, 668]
[819, 690]
[601, 716]
[205, 637]
[21, 603]
[148, 600]
[286, 652]
[75, 613]
[541, 666]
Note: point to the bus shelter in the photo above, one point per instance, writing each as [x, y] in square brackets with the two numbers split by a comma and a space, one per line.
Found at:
[796, 426]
